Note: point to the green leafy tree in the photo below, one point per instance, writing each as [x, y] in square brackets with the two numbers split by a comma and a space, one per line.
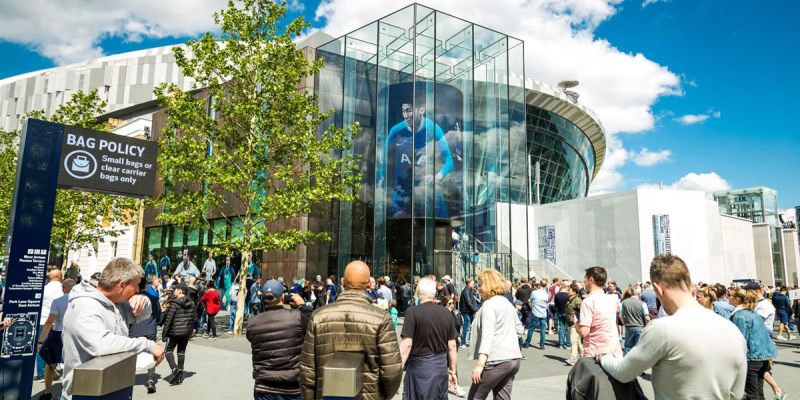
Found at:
[250, 149]
[9, 148]
[81, 219]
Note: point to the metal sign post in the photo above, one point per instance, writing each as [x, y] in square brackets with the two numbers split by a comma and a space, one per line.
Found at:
[53, 155]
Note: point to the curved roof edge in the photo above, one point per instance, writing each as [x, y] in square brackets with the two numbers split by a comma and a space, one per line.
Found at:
[540, 95]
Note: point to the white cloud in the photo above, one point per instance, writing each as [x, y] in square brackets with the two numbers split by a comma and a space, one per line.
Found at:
[691, 119]
[71, 31]
[296, 6]
[708, 182]
[646, 3]
[560, 44]
[647, 158]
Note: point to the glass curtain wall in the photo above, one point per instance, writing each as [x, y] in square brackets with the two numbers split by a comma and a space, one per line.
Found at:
[443, 145]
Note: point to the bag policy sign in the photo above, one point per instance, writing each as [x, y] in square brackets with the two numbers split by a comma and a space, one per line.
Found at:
[109, 163]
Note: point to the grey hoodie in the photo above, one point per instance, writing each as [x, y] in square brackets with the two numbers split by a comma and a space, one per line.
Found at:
[93, 327]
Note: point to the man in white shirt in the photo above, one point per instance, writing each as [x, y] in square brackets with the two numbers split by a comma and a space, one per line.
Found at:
[694, 354]
[50, 346]
[539, 304]
[210, 267]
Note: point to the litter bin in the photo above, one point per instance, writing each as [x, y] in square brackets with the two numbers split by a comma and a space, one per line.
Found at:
[342, 376]
[108, 377]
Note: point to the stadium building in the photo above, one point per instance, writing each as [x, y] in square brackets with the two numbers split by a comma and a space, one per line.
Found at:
[456, 143]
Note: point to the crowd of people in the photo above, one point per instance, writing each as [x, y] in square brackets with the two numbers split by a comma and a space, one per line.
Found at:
[660, 326]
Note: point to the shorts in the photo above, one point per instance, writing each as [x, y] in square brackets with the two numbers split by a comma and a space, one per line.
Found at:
[782, 316]
[52, 348]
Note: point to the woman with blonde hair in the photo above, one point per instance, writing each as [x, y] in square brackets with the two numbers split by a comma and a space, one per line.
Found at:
[706, 297]
[496, 332]
[760, 347]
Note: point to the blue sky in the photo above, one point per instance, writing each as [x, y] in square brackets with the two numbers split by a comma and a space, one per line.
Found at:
[694, 93]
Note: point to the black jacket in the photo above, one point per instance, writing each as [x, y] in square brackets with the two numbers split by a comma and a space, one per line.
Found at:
[588, 381]
[468, 304]
[180, 317]
[524, 293]
[276, 338]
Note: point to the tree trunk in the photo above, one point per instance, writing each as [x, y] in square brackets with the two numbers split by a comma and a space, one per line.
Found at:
[238, 325]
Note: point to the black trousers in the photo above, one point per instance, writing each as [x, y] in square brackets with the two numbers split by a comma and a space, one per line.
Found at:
[180, 342]
[754, 383]
[212, 325]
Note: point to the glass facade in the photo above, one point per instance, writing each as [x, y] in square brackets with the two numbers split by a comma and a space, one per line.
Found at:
[443, 141]
[759, 205]
[565, 155]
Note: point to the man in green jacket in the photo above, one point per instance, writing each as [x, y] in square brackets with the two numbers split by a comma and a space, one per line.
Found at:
[352, 324]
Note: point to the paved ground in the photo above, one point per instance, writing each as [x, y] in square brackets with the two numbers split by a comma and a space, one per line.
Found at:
[221, 369]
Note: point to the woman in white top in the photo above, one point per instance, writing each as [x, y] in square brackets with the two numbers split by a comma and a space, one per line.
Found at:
[496, 331]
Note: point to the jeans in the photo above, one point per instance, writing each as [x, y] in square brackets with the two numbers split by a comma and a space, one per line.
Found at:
[632, 334]
[232, 317]
[577, 342]
[255, 308]
[563, 330]
[40, 364]
[541, 323]
[754, 380]
[467, 325]
[272, 396]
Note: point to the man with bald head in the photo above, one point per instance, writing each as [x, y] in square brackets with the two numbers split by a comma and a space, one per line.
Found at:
[352, 324]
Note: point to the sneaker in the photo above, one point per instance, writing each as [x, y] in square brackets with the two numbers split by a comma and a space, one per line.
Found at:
[460, 392]
[779, 338]
[38, 379]
[571, 361]
[792, 337]
[151, 387]
[205, 336]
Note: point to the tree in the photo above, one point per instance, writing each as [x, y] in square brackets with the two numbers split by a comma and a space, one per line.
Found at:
[80, 218]
[9, 148]
[251, 143]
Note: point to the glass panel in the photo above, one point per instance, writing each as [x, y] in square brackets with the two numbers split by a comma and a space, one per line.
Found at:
[491, 133]
[177, 236]
[356, 218]
[392, 249]
[453, 113]
[427, 205]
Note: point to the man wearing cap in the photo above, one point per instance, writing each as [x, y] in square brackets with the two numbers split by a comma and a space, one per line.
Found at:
[276, 338]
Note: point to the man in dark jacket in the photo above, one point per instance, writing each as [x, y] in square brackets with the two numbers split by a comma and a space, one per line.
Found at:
[468, 307]
[276, 338]
[352, 324]
[147, 329]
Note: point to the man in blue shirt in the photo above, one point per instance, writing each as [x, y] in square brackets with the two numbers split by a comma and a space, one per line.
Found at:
[150, 268]
[401, 159]
[164, 264]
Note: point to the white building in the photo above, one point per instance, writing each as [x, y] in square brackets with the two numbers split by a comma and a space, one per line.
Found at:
[622, 231]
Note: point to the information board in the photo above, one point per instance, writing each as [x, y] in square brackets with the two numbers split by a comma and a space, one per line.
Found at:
[103, 162]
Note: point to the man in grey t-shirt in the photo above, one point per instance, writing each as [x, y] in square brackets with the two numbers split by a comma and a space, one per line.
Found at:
[687, 361]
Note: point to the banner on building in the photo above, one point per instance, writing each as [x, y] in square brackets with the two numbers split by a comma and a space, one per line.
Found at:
[547, 243]
[662, 240]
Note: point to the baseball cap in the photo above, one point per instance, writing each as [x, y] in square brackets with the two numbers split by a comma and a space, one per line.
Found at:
[753, 285]
[272, 287]
[446, 278]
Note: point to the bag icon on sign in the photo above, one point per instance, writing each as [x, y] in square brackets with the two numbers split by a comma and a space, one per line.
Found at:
[80, 163]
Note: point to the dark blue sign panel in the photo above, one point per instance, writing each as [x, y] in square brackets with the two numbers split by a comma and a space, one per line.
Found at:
[30, 223]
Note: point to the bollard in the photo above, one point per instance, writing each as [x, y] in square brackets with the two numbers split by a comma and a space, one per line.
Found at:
[342, 376]
[108, 377]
